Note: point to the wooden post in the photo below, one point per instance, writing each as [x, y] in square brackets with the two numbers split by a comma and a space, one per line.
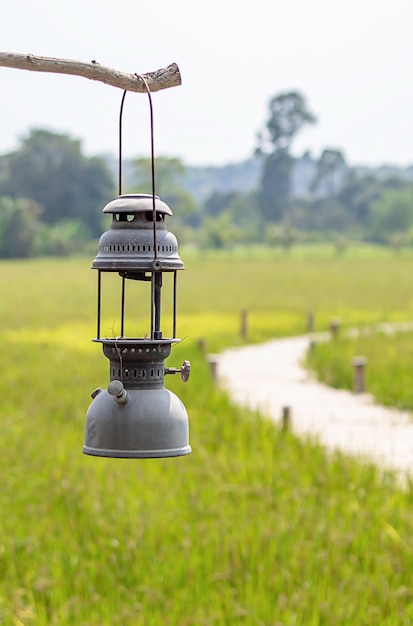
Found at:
[244, 325]
[335, 327]
[213, 367]
[310, 322]
[311, 345]
[202, 345]
[359, 364]
[286, 418]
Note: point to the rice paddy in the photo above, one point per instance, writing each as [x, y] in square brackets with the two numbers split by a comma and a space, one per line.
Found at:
[255, 526]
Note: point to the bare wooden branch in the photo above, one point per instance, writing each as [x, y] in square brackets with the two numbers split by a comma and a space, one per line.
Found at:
[159, 79]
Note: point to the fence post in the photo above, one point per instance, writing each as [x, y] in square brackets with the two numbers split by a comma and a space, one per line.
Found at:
[213, 367]
[311, 345]
[244, 325]
[202, 345]
[335, 327]
[310, 322]
[286, 418]
[359, 364]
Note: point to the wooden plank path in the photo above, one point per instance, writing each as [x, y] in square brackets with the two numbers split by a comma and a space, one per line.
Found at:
[270, 376]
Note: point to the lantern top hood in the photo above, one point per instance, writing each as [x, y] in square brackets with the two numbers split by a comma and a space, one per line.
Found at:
[136, 203]
[135, 242]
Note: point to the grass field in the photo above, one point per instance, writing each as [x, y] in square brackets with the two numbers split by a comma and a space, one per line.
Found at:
[255, 527]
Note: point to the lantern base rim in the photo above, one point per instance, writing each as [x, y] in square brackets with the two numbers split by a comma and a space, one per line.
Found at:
[137, 454]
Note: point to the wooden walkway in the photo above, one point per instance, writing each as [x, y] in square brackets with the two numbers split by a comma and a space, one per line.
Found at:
[269, 377]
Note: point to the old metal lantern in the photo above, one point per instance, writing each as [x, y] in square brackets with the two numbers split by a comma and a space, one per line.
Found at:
[136, 416]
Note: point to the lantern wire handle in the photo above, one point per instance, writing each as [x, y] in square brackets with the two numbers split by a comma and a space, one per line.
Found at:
[120, 142]
[156, 281]
[148, 91]
[143, 79]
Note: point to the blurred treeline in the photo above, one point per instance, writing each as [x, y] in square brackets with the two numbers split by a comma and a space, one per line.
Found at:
[51, 194]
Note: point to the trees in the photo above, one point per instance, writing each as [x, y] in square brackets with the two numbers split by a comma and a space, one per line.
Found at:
[219, 231]
[19, 225]
[330, 167]
[50, 169]
[288, 114]
[391, 214]
[235, 214]
[275, 190]
[357, 195]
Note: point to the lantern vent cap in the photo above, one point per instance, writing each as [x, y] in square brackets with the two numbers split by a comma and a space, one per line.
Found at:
[136, 203]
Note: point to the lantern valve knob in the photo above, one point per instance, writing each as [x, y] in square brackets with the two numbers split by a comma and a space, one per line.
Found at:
[185, 370]
[116, 389]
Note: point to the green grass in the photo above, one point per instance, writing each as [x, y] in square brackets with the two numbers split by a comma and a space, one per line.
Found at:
[254, 527]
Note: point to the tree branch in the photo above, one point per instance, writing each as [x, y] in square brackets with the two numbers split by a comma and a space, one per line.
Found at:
[159, 79]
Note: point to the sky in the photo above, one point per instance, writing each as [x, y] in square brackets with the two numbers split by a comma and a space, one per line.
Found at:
[352, 60]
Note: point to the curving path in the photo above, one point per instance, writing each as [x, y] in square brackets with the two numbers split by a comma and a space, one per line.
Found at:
[269, 377]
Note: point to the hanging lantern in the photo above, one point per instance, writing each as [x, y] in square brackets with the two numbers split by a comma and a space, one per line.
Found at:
[136, 416]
